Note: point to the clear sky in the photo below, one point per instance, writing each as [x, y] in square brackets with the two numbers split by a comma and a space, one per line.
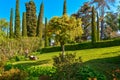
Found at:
[51, 7]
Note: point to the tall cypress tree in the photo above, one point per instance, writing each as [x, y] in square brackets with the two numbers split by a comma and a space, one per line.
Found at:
[46, 37]
[17, 20]
[64, 7]
[24, 27]
[11, 23]
[31, 19]
[93, 26]
[98, 30]
[40, 23]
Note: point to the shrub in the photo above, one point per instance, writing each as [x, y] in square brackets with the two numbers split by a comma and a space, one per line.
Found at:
[71, 68]
[36, 71]
[13, 74]
[81, 46]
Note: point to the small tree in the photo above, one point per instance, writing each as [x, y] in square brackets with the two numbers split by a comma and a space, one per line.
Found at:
[17, 20]
[46, 36]
[93, 26]
[98, 29]
[11, 23]
[24, 27]
[65, 7]
[63, 28]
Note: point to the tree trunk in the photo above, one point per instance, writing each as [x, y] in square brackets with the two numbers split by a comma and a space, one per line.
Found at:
[62, 48]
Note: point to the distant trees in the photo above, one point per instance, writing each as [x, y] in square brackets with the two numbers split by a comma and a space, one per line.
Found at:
[24, 27]
[17, 20]
[31, 19]
[102, 5]
[65, 7]
[11, 24]
[85, 14]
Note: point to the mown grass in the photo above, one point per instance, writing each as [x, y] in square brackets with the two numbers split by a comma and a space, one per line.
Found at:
[104, 60]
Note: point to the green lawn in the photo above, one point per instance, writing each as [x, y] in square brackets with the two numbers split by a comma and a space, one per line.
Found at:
[102, 59]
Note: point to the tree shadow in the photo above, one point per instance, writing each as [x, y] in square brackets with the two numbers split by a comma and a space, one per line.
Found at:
[26, 65]
[105, 65]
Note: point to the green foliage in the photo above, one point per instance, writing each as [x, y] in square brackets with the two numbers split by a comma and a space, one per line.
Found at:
[11, 24]
[31, 19]
[13, 74]
[82, 46]
[24, 27]
[93, 26]
[17, 21]
[36, 71]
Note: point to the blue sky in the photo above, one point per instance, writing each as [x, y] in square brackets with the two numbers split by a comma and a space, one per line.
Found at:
[51, 7]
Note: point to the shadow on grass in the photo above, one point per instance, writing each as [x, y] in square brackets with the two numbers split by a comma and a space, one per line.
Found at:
[26, 65]
[105, 65]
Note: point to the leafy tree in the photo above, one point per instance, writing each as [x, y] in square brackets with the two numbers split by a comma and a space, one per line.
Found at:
[46, 35]
[64, 8]
[31, 18]
[65, 28]
[119, 14]
[11, 24]
[17, 20]
[94, 38]
[102, 5]
[24, 27]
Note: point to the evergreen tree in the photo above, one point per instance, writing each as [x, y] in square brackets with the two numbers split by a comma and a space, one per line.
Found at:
[24, 27]
[98, 30]
[64, 7]
[46, 37]
[40, 19]
[40, 23]
[31, 19]
[17, 20]
[93, 26]
[11, 23]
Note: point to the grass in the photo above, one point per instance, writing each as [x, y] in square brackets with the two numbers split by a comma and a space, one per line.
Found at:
[104, 60]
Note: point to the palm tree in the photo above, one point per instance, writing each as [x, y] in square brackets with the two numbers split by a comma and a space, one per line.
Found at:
[102, 5]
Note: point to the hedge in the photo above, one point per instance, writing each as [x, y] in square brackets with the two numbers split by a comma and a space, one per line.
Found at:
[81, 46]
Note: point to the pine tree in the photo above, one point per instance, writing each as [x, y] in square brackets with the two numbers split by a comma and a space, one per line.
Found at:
[98, 30]
[11, 24]
[24, 27]
[46, 37]
[40, 23]
[93, 26]
[64, 8]
[17, 20]
[31, 19]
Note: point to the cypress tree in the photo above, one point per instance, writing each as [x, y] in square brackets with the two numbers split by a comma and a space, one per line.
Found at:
[31, 19]
[46, 37]
[40, 24]
[24, 27]
[98, 30]
[11, 23]
[119, 21]
[93, 26]
[17, 20]
[64, 8]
